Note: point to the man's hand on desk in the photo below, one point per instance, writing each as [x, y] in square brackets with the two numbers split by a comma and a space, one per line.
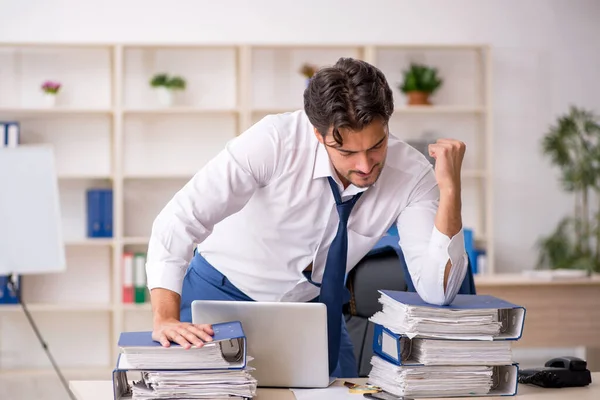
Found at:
[182, 333]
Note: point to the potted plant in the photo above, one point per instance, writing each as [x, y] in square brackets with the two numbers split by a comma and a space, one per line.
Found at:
[573, 145]
[308, 71]
[165, 86]
[420, 82]
[50, 90]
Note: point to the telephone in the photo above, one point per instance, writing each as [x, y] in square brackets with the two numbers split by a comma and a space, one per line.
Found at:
[558, 372]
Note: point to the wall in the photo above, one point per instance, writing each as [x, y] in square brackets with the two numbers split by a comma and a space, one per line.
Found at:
[544, 59]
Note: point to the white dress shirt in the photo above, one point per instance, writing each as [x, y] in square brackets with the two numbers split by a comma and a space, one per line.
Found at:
[262, 210]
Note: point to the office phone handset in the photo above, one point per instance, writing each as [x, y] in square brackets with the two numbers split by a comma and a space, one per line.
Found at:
[558, 372]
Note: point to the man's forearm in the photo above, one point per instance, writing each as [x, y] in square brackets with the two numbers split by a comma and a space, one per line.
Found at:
[165, 305]
[448, 219]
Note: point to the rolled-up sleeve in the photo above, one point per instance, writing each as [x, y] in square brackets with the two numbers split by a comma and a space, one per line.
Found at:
[222, 187]
[427, 250]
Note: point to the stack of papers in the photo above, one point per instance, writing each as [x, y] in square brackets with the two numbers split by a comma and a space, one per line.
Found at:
[454, 352]
[217, 370]
[234, 384]
[427, 350]
[176, 357]
[431, 381]
[447, 323]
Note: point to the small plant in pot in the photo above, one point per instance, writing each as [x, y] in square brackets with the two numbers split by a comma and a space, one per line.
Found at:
[165, 87]
[50, 90]
[420, 82]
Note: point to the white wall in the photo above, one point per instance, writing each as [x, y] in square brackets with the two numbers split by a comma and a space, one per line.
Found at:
[546, 56]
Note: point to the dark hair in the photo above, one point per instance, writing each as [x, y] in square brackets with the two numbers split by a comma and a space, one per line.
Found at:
[350, 94]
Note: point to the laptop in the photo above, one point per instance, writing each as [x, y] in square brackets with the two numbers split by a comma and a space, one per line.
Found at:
[286, 341]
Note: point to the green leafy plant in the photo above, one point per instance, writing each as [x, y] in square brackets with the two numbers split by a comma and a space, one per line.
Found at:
[420, 78]
[573, 145]
[169, 82]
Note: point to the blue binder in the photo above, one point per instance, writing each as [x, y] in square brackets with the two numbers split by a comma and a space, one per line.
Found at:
[392, 347]
[225, 334]
[7, 296]
[511, 315]
[504, 378]
[3, 136]
[99, 207]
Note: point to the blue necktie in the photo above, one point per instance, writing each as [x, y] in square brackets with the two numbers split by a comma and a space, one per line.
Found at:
[332, 285]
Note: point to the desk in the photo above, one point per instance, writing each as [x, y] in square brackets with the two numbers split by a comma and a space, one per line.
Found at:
[102, 390]
[560, 313]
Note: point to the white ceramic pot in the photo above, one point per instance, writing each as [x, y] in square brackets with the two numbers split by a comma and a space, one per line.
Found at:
[49, 99]
[165, 96]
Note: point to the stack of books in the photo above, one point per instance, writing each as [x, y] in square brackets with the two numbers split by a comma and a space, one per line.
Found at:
[217, 370]
[463, 349]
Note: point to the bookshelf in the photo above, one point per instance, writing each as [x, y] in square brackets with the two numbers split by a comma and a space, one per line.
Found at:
[109, 130]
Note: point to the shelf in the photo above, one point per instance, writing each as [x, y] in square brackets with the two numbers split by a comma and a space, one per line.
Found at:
[32, 112]
[434, 109]
[90, 242]
[82, 371]
[110, 130]
[48, 307]
[137, 307]
[176, 176]
[439, 109]
[180, 110]
[83, 177]
[136, 240]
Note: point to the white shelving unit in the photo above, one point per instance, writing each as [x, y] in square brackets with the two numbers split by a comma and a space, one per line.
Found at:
[108, 130]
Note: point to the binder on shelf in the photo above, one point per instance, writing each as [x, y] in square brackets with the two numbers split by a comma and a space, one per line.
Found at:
[3, 136]
[510, 317]
[6, 295]
[139, 277]
[401, 350]
[127, 294]
[107, 213]
[13, 134]
[99, 213]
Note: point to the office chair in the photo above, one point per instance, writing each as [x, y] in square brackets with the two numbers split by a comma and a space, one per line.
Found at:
[382, 268]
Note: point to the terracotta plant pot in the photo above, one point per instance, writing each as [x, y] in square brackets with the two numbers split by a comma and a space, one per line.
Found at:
[418, 98]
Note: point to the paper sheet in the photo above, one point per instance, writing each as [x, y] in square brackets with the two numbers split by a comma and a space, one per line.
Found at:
[330, 393]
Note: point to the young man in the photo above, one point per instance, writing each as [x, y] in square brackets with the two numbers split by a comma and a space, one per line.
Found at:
[292, 204]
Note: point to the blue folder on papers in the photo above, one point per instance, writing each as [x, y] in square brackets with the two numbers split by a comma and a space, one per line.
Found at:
[224, 331]
[511, 316]
[140, 353]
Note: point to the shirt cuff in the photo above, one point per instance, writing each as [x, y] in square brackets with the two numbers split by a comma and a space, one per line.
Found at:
[442, 248]
[165, 276]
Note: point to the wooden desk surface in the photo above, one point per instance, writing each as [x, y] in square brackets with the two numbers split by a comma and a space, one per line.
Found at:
[102, 390]
[530, 279]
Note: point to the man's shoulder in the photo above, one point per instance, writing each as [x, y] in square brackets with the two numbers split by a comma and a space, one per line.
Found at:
[404, 158]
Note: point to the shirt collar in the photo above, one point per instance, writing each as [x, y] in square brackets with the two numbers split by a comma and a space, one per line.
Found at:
[324, 169]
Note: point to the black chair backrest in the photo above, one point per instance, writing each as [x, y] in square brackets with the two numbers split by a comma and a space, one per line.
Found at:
[374, 272]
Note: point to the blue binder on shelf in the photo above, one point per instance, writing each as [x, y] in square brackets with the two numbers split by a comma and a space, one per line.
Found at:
[6, 295]
[229, 336]
[511, 316]
[99, 208]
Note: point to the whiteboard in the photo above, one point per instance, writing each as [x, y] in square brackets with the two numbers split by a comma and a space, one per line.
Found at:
[30, 222]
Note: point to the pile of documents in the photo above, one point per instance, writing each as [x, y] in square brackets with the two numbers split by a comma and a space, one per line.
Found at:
[464, 349]
[217, 370]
